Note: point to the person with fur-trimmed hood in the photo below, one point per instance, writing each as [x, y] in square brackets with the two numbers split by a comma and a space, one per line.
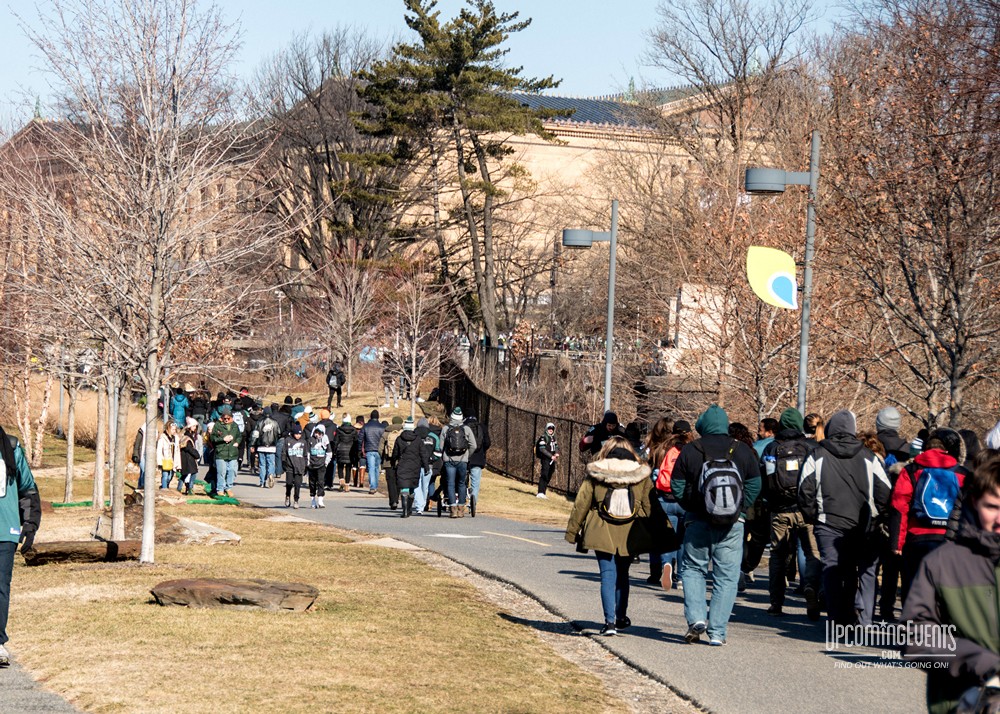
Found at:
[615, 517]
[922, 499]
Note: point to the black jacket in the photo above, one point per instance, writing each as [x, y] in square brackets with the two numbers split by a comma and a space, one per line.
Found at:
[843, 485]
[895, 445]
[189, 456]
[409, 455]
[295, 455]
[284, 421]
[600, 434]
[346, 442]
[778, 499]
[687, 471]
[482, 434]
[546, 447]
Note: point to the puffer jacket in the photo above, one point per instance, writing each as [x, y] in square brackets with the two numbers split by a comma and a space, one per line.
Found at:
[843, 485]
[409, 455]
[956, 584]
[371, 436]
[648, 531]
[902, 525]
[347, 437]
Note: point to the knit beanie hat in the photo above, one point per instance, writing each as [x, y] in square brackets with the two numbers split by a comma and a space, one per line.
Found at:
[408, 425]
[888, 419]
[346, 419]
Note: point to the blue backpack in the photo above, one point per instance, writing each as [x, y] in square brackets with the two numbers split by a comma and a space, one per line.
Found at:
[934, 494]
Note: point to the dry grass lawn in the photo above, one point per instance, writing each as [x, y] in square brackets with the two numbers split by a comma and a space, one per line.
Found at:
[389, 634]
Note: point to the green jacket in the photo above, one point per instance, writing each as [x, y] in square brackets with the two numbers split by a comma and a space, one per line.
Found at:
[648, 531]
[224, 451]
[956, 584]
[15, 486]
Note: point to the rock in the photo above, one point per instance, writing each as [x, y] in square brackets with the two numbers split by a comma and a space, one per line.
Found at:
[239, 594]
[84, 551]
[47, 508]
[169, 529]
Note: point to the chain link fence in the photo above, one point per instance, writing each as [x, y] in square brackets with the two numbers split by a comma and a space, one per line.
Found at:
[514, 432]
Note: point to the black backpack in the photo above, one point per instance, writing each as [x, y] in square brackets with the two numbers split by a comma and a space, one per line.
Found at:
[721, 487]
[789, 458]
[456, 442]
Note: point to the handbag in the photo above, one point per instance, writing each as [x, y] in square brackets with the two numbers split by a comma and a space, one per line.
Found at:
[168, 465]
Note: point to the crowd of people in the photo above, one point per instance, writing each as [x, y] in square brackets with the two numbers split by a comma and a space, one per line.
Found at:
[856, 516]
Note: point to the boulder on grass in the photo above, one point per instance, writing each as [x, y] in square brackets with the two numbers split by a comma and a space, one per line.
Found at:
[84, 551]
[239, 594]
[171, 530]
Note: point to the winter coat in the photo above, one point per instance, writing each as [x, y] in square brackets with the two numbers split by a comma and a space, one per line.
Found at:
[409, 455]
[179, 407]
[168, 449]
[20, 506]
[902, 526]
[482, 434]
[284, 422]
[641, 535]
[199, 407]
[546, 447]
[778, 500]
[295, 456]
[339, 374]
[371, 436]
[599, 433]
[346, 442]
[843, 485]
[139, 447]
[894, 445]
[687, 471]
[956, 584]
[226, 451]
[189, 455]
[469, 437]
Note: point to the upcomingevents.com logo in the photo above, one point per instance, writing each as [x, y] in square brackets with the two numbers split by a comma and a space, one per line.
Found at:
[853, 645]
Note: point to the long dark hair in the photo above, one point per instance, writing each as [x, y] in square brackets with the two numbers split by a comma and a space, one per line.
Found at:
[740, 432]
[659, 440]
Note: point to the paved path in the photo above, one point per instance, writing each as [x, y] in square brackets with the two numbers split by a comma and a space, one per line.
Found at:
[778, 665]
[20, 694]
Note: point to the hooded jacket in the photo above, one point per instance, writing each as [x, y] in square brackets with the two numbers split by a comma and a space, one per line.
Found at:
[345, 443]
[902, 527]
[843, 484]
[956, 584]
[470, 437]
[178, 408]
[295, 455]
[409, 455]
[632, 538]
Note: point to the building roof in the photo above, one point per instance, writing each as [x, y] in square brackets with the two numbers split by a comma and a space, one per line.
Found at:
[616, 110]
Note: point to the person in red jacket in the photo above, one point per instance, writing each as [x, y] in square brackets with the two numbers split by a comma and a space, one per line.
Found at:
[922, 499]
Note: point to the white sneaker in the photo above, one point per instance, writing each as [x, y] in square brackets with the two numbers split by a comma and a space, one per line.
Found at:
[542, 495]
[386, 405]
[420, 400]
[4, 657]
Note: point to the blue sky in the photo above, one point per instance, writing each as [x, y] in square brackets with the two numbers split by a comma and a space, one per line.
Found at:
[595, 46]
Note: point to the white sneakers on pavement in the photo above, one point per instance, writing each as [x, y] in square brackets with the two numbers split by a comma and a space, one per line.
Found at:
[4, 657]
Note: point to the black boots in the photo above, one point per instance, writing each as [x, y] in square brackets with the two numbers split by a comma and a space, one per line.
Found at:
[406, 499]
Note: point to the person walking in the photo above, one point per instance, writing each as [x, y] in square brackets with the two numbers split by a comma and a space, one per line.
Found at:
[371, 445]
[547, 451]
[668, 572]
[432, 443]
[345, 445]
[168, 454]
[189, 457]
[179, 405]
[599, 433]
[459, 444]
[264, 438]
[477, 461]
[715, 479]
[295, 458]
[614, 516]
[226, 440]
[20, 517]
[410, 458]
[844, 494]
[335, 380]
[319, 457]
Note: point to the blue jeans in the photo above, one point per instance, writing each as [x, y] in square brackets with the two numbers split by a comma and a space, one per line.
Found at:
[265, 466]
[374, 460]
[142, 475]
[420, 493]
[225, 474]
[165, 477]
[475, 476]
[279, 448]
[454, 473]
[723, 547]
[614, 585]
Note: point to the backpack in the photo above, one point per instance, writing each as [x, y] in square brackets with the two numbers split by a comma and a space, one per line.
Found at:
[617, 506]
[666, 469]
[333, 381]
[934, 494]
[721, 487]
[789, 457]
[239, 420]
[456, 442]
[268, 432]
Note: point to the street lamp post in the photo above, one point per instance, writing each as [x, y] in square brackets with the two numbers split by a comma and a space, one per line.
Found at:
[769, 181]
[582, 238]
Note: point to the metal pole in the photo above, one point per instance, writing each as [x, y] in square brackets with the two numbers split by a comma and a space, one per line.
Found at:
[807, 271]
[609, 345]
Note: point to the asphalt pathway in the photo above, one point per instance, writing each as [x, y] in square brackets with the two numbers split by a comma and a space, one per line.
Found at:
[20, 694]
[770, 664]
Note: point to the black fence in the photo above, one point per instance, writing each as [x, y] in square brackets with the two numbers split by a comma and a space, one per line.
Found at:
[514, 432]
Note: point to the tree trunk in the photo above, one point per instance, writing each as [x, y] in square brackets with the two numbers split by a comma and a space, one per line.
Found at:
[71, 388]
[36, 452]
[151, 380]
[350, 373]
[120, 446]
[97, 496]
